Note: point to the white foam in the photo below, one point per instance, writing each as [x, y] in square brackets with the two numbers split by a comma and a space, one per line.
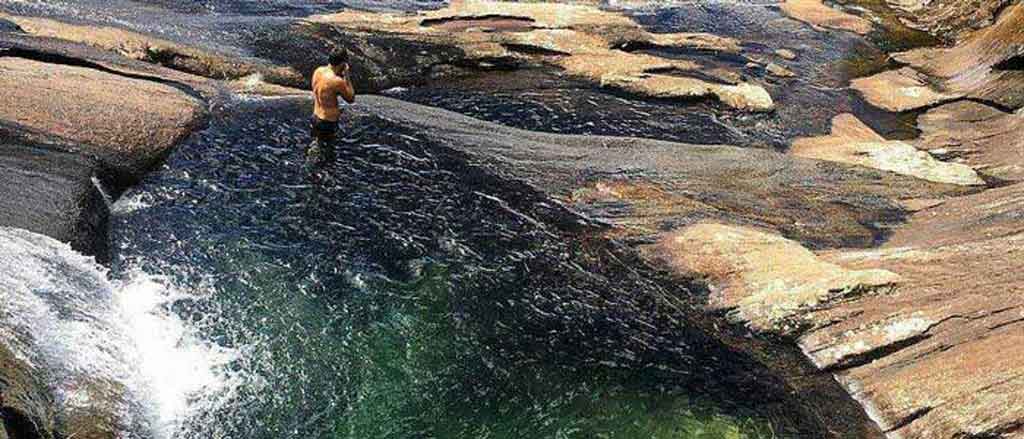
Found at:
[64, 316]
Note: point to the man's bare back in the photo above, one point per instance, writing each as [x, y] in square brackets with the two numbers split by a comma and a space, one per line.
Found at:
[330, 82]
[328, 86]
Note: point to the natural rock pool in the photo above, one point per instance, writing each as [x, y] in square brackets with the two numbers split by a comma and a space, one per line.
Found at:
[410, 291]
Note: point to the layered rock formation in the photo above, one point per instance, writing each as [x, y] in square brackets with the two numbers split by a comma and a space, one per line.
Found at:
[583, 41]
[950, 18]
[983, 137]
[986, 65]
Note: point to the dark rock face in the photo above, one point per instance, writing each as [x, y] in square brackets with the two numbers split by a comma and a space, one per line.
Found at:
[51, 192]
[379, 61]
[7, 26]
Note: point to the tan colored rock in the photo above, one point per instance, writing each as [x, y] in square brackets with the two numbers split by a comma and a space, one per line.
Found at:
[978, 135]
[815, 13]
[953, 18]
[786, 54]
[777, 70]
[932, 345]
[900, 90]
[855, 143]
[129, 123]
[143, 47]
[765, 280]
[986, 65]
[583, 40]
[939, 357]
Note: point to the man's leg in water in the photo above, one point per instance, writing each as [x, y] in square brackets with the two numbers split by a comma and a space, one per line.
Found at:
[321, 150]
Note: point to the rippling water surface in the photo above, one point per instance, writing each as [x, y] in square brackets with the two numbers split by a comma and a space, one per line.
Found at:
[406, 294]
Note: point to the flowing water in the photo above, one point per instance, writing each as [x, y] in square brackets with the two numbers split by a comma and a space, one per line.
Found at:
[403, 293]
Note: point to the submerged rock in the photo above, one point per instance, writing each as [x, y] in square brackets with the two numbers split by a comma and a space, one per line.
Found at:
[855, 143]
[647, 186]
[584, 41]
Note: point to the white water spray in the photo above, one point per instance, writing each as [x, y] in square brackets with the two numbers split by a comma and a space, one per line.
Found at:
[60, 313]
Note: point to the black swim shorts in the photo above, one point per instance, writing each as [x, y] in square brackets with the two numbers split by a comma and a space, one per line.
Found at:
[324, 130]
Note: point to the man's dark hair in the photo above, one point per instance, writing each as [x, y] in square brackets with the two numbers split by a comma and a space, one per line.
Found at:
[338, 57]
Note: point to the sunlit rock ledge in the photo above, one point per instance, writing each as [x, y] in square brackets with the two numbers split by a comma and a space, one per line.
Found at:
[582, 40]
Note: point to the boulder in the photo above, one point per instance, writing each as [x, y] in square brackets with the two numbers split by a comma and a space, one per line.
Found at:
[815, 13]
[51, 192]
[900, 90]
[128, 122]
[25, 403]
[855, 143]
[600, 46]
[983, 137]
[925, 332]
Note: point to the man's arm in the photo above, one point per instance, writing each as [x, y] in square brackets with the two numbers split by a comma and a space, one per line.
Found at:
[345, 89]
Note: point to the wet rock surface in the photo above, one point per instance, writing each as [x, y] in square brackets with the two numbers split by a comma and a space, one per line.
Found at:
[855, 143]
[584, 41]
[50, 191]
[648, 185]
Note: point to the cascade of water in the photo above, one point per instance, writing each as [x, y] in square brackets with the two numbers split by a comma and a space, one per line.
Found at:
[115, 346]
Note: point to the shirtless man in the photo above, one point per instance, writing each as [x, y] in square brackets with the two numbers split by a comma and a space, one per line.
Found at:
[329, 83]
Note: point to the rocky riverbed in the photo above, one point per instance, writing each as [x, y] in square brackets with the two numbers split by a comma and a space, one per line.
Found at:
[800, 214]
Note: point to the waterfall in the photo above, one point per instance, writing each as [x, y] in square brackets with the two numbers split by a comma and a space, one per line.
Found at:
[111, 344]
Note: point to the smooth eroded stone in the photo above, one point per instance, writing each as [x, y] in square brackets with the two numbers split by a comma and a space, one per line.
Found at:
[51, 192]
[129, 124]
[855, 143]
[987, 65]
[940, 356]
[816, 13]
[644, 186]
[900, 90]
[951, 18]
[764, 280]
[142, 47]
[978, 135]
